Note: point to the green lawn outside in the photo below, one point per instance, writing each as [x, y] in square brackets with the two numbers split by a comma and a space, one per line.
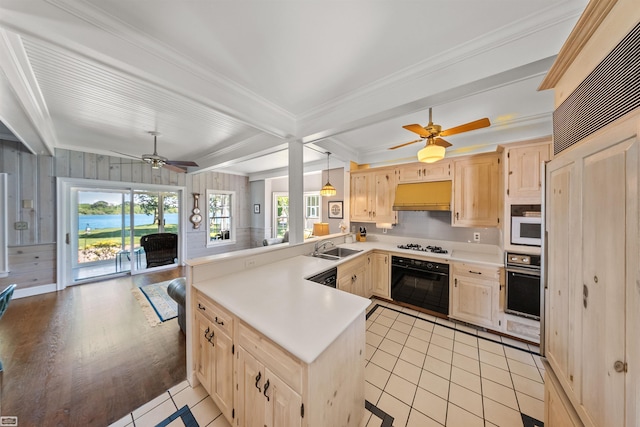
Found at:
[113, 236]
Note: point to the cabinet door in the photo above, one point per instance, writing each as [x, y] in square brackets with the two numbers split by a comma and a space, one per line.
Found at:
[380, 276]
[411, 172]
[476, 192]
[383, 195]
[423, 172]
[524, 171]
[474, 301]
[222, 373]
[561, 343]
[360, 202]
[204, 351]
[284, 406]
[251, 378]
[605, 191]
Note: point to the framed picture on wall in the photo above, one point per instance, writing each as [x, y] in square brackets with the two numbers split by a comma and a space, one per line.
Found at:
[335, 210]
[256, 208]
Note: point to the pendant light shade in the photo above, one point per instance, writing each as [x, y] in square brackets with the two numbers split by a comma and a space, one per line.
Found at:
[328, 189]
[431, 153]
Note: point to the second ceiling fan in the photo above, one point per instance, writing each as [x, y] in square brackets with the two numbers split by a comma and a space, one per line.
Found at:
[432, 133]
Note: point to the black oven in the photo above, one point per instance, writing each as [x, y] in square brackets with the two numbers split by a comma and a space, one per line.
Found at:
[420, 283]
[523, 285]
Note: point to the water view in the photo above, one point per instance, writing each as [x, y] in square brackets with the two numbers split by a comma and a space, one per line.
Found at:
[96, 222]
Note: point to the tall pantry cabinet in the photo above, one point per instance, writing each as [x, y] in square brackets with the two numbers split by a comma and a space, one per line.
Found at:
[592, 296]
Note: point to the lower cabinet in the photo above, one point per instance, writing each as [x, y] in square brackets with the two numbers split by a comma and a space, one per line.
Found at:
[558, 411]
[380, 277]
[267, 400]
[256, 383]
[352, 276]
[476, 294]
[214, 359]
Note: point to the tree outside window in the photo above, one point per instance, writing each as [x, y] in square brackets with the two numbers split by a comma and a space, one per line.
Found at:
[312, 212]
[221, 224]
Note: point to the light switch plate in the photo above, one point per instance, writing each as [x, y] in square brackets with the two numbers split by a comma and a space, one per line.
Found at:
[21, 225]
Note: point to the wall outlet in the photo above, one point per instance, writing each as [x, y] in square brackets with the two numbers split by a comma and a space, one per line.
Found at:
[476, 237]
[21, 225]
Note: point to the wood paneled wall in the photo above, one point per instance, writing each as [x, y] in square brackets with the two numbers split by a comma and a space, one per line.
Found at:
[32, 252]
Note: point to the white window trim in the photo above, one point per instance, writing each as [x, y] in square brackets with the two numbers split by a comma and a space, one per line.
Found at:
[274, 204]
[234, 218]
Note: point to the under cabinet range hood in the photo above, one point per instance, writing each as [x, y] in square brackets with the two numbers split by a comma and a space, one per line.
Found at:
[423, 196]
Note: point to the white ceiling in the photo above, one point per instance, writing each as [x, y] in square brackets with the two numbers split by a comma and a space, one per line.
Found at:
[230, 83]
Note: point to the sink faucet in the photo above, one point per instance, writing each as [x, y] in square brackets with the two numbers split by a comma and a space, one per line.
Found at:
[322, 244]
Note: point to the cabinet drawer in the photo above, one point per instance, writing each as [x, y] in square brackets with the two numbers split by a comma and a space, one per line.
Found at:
[280, 362]
[475, 270]
[215, 313]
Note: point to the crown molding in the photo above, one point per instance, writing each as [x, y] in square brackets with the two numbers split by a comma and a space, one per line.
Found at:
[590, 20]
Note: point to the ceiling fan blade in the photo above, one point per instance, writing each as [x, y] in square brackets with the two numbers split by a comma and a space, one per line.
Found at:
[181, 163]
[128, 155]
[478, 124]
[406, 143]
[174, 168]
[417, 129]
[441, 142]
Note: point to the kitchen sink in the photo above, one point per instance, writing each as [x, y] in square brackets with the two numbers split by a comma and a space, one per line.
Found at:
[340, 252]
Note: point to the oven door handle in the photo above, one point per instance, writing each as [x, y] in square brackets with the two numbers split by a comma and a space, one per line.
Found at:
[417, 270]
[525, 271]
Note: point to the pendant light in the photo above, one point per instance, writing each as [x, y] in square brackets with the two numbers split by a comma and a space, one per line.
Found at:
[328, 189]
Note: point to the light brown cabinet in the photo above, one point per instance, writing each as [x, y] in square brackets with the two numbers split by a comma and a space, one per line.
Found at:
[255, 382]
[372, 195]
[557, 409]
[590, 301]
[352, 276]
[477, 197]
[424, 172]
[524, 180]
[475, 294]
[264, 398]
[380, 275]
[214, 360]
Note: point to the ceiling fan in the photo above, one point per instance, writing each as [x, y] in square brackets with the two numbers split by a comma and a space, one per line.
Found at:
[156, 161]
[432, 133]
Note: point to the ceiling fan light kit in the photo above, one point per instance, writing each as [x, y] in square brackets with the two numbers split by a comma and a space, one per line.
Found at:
[436, 146]
[431, 153]
[328, 189]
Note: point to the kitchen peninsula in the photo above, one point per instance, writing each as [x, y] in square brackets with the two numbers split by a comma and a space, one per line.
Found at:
[269, 345]
[272, 348]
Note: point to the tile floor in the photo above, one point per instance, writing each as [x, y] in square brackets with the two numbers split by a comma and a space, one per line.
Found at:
[421, 371]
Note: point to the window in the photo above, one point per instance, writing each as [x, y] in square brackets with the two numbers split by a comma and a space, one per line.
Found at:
[221, 221]
[312, 212]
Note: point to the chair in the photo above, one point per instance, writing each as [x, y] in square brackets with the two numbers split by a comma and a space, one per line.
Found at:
[160, 248]
[5, 297]
[177, 290]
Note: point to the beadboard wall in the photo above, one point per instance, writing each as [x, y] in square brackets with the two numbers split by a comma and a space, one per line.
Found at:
[31, 198]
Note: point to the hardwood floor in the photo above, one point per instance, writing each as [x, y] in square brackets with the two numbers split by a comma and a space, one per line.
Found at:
[86, 356]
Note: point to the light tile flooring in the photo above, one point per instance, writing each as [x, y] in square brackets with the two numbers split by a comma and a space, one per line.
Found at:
[421, 370]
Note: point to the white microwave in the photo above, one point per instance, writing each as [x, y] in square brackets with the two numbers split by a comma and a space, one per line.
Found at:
[526, 230]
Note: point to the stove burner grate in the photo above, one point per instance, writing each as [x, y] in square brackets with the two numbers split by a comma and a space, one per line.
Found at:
[417, 247]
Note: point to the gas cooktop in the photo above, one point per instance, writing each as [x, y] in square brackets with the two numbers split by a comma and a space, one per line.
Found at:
[417, 247]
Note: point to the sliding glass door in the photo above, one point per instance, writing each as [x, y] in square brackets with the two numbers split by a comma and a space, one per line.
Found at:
[107, 225]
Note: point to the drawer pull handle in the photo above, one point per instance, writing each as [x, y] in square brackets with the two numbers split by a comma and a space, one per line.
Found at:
[209, 337]
[258, 377]
[266, 387]
[201, 307]
[219, 322]
[475, 272]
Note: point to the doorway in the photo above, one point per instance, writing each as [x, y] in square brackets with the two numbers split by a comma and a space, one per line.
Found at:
[101, 227]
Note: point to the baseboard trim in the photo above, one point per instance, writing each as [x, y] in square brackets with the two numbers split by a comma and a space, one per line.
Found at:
[34, 290]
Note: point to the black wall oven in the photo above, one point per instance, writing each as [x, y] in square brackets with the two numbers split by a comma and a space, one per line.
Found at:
[523, 285]
[420, 283]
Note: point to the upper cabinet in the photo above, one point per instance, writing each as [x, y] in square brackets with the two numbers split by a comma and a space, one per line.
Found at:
[477, 197]
[372, 194]
[523, 168]
[423, 172]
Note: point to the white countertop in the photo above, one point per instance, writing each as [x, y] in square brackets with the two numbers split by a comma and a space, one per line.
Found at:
[301, 316]
[304, 317]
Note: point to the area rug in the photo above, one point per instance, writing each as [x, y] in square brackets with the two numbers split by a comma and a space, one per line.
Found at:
[157, 305]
